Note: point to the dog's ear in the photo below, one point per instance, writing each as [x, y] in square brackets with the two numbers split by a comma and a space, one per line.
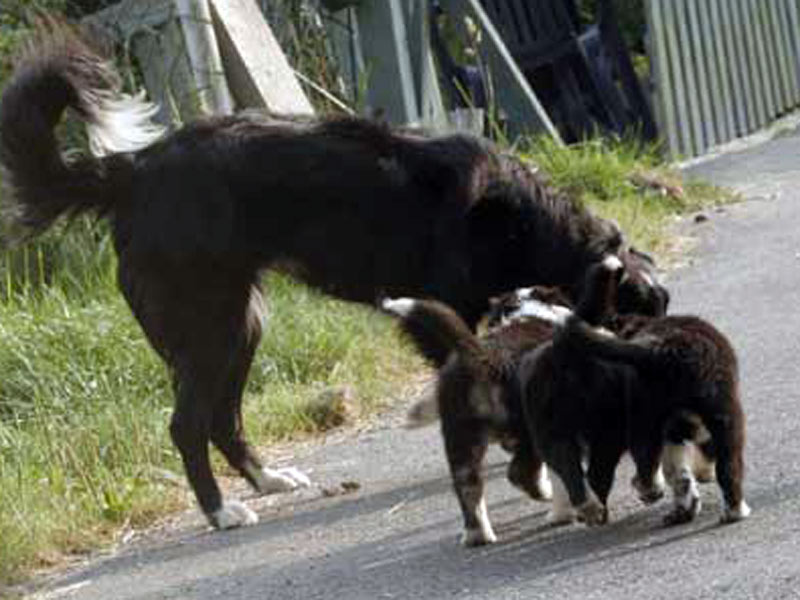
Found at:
[643, 255]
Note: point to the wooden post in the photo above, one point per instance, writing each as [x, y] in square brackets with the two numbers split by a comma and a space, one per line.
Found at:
[390, 86]
[258, 73]
[201, 46]
[429, 95]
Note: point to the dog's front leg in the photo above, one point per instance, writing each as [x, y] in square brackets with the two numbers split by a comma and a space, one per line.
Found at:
[571, 496]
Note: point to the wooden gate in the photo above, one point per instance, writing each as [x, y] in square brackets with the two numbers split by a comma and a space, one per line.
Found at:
[722, 68]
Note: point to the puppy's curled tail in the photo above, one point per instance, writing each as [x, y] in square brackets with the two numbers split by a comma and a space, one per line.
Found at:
[605, 345]
[55, 71]
[436, 330]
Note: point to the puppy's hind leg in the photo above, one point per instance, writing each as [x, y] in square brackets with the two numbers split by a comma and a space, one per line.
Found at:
[678, 472]
[465, 447]
[728, 436]
[527, 472]
[566, 472]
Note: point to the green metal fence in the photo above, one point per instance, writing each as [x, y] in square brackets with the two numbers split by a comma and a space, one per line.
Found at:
[722, 68]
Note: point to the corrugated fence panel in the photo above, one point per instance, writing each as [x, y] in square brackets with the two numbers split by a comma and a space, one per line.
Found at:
[722, 68]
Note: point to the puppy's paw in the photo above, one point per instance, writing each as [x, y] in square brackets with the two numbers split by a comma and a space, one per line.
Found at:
[232, 514]
[649, 493]
[544, 488]
[683, 512]
[557, 517]
[593, 513]
[732, 515]
[478, 537]
[275, 481]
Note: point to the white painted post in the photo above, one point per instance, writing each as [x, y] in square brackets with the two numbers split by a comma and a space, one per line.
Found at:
[258, 73]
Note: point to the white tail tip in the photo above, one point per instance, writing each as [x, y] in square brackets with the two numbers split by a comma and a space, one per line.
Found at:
[399, 306]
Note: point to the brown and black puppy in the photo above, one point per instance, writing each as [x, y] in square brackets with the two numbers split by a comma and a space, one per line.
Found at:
[657, 385]
[477, 394]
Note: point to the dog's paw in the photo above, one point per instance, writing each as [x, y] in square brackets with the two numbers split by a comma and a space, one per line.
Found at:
[683, 512]
[649, 493]
[732, 515]
[275, 481]
[593, 513]
[478, 537]
[232, 514]
[543, 489]
[558, 517]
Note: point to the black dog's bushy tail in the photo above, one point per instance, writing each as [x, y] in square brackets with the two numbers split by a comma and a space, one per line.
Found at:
[597, 302]
[55, 71]
[436, 330]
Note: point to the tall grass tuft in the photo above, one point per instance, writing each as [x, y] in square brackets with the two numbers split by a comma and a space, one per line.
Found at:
[607, 174]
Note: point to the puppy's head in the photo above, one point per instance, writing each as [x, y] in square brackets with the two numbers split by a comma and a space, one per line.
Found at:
[538, 302]
[639, 291]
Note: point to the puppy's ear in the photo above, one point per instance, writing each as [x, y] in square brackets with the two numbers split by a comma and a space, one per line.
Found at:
[643, 255]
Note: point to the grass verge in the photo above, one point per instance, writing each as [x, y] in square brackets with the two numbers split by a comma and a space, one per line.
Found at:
[85, 403]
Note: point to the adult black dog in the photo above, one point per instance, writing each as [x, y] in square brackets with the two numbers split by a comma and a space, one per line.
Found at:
[348, 206]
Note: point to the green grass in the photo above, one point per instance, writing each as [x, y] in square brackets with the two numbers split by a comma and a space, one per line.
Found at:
[85, 403]
[603, 173]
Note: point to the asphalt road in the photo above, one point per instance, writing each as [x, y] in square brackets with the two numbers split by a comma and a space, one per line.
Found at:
[396, 536]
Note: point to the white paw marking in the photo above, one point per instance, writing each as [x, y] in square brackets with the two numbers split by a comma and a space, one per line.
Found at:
[275, 481]
[483, 534]
[233, 514]
[562, 511]
[731, 515]
[545, 486]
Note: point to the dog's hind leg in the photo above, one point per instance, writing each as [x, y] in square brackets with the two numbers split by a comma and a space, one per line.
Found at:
[465, 446]
[649, 478]
[227, 431]
[678, 471]
[603, 460]
[202, 323]
[563, 458]
[190, 429]
[527, 472]
[728, 434]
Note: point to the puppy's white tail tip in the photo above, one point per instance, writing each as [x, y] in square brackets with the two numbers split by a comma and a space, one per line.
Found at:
[399, 306]
[612, 262]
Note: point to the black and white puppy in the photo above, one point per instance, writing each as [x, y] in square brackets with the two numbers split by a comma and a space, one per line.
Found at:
[650, 389]
[477, 395]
